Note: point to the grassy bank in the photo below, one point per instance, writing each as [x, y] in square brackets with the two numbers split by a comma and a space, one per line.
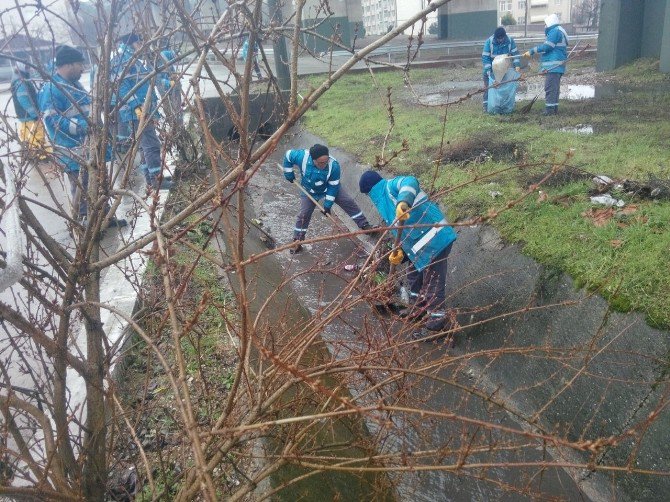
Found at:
[206, 311]
[624, 254]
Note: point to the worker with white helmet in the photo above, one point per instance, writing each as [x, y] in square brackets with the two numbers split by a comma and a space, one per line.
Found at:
[554, 54]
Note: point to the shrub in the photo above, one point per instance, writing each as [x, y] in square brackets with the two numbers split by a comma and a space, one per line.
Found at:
[507, 19]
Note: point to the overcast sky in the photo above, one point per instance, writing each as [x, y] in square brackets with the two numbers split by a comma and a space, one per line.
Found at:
[10, 20]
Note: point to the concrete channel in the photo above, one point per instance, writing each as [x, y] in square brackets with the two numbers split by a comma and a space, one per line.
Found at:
[557, 357]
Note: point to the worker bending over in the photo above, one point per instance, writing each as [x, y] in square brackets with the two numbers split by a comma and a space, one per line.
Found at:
[320, 177]
[426, 246]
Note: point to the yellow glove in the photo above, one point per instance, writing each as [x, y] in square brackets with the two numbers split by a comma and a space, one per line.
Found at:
[527, 54]
[396, 256]
[138, 113]
[402, 211]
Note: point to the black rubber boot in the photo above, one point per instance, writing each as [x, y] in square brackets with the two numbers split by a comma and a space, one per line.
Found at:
[156, 183]
[297, 248]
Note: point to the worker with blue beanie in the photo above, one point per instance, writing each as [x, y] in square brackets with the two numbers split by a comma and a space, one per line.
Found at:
[425, 238]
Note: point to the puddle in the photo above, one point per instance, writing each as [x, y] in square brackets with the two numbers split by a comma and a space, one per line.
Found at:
[579, 129]
[573, 92]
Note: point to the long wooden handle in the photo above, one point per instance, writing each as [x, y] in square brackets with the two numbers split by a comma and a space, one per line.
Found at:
[336, 221]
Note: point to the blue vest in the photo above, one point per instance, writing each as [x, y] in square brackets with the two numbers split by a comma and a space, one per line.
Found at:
[420, 244]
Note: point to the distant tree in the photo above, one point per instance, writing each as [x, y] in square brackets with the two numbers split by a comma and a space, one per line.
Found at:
[433, 29]
[586, 13]
[507, 19]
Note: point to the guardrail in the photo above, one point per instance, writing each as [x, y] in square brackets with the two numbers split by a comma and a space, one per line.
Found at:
[470, 47]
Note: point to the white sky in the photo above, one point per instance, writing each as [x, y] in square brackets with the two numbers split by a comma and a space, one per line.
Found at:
[10, 20]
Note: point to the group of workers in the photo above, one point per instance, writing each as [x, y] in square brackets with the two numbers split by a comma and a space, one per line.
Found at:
[425, 237]
[62, 106]
[553, 58]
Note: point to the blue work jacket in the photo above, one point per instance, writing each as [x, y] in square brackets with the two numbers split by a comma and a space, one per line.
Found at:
[554, 50]
[127, 73]
[420, 243]
[64, 121]
[318, 182]
[493, 49]
[24, 96]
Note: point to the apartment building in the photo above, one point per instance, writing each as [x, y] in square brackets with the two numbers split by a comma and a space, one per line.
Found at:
[537, 10]
[379, 15]
[405, 9]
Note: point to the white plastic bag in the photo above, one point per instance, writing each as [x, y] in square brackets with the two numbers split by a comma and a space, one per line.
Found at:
[500, 67]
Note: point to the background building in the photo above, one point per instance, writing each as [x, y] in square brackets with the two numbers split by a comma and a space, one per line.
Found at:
[408, 8]
[537, 10]
[346, 18]
[379, 16]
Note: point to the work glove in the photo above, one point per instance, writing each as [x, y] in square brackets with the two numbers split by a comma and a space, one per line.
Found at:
[326, 211]
[402, 211]
[396, 256]
[138, 113]
[527, 54]
[290, 178]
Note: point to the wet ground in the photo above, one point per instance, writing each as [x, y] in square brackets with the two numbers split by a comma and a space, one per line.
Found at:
[551, 352]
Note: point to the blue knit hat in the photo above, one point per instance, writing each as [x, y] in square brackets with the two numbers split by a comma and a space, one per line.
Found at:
[499, 33]
[368, 180]
[130, 38]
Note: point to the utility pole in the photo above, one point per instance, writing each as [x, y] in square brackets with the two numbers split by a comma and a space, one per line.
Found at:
[525, 19]
[279, 48]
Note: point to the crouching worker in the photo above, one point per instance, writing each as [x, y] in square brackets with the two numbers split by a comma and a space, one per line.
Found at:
[320, 176]
[426, 247]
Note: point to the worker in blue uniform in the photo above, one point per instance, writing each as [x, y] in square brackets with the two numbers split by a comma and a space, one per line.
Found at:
[132, 89]
[554, 55]
[65, 106]
[500, 43]
[24, 97]
[320, 176]
[425, 239]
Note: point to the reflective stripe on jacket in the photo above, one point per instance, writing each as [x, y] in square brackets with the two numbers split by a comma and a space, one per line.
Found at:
[554, 50]
[420, 243]
[493, 49]
[64, 120]
[318, 182]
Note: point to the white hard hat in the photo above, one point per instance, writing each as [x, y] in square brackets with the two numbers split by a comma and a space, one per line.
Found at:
[551, 20]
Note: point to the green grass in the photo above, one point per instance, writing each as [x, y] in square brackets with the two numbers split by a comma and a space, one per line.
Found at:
[627, 260]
